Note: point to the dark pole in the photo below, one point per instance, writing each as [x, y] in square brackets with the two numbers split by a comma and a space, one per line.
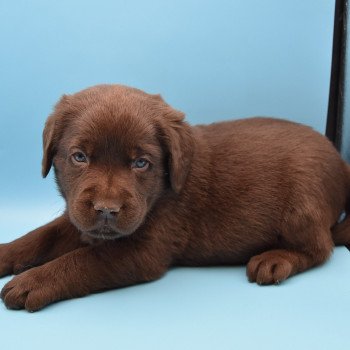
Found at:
[336, 93]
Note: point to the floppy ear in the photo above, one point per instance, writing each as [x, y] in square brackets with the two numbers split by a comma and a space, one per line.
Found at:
[178, 140]
[51, 134]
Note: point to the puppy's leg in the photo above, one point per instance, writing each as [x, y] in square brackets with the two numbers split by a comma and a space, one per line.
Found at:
[302, 251]
[39, 246]
[86, 270]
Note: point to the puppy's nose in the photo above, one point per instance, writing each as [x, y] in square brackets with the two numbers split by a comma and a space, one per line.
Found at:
[106, 210]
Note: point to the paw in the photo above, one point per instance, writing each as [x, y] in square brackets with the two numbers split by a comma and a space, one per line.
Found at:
[29, 291]
[269, 268]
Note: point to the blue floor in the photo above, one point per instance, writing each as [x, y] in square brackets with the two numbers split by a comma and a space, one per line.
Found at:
[190, 308]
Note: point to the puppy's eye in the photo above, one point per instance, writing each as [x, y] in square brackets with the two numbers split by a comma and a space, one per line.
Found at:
[140, 163]
[79, 157]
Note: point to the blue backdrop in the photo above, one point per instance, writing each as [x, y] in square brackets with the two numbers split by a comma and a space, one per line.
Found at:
[211, 59]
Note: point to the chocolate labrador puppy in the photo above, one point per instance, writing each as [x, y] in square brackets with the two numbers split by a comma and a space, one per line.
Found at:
[146, 191]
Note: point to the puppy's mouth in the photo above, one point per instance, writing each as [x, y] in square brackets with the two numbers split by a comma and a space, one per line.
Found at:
[104, 232]
[104, 229]
[108, 228]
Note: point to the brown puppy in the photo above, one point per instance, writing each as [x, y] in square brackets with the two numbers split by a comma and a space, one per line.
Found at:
[145, 191]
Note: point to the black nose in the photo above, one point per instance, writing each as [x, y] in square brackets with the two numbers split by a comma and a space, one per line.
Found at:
[106, 211]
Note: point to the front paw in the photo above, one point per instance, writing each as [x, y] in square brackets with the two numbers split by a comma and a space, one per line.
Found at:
[29, 290]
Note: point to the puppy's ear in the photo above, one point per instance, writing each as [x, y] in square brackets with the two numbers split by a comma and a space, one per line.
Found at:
[178, 141]
[51, 134]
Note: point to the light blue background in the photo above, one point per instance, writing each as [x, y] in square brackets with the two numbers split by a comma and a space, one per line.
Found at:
[213, 60]
[197, 309]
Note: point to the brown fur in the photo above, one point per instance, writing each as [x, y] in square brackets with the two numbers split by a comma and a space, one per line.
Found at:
[260, 191]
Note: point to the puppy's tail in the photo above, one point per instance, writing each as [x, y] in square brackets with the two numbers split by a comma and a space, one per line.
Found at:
[341, 231]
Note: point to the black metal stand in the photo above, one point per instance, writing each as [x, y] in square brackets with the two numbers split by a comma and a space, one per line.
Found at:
[338, 119]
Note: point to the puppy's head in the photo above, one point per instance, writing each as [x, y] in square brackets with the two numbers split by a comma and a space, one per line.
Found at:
[115, 151]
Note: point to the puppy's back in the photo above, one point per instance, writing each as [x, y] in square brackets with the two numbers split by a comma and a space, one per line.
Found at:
[267, 166]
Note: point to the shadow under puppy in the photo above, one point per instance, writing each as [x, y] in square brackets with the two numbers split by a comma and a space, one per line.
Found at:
[145, 191]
